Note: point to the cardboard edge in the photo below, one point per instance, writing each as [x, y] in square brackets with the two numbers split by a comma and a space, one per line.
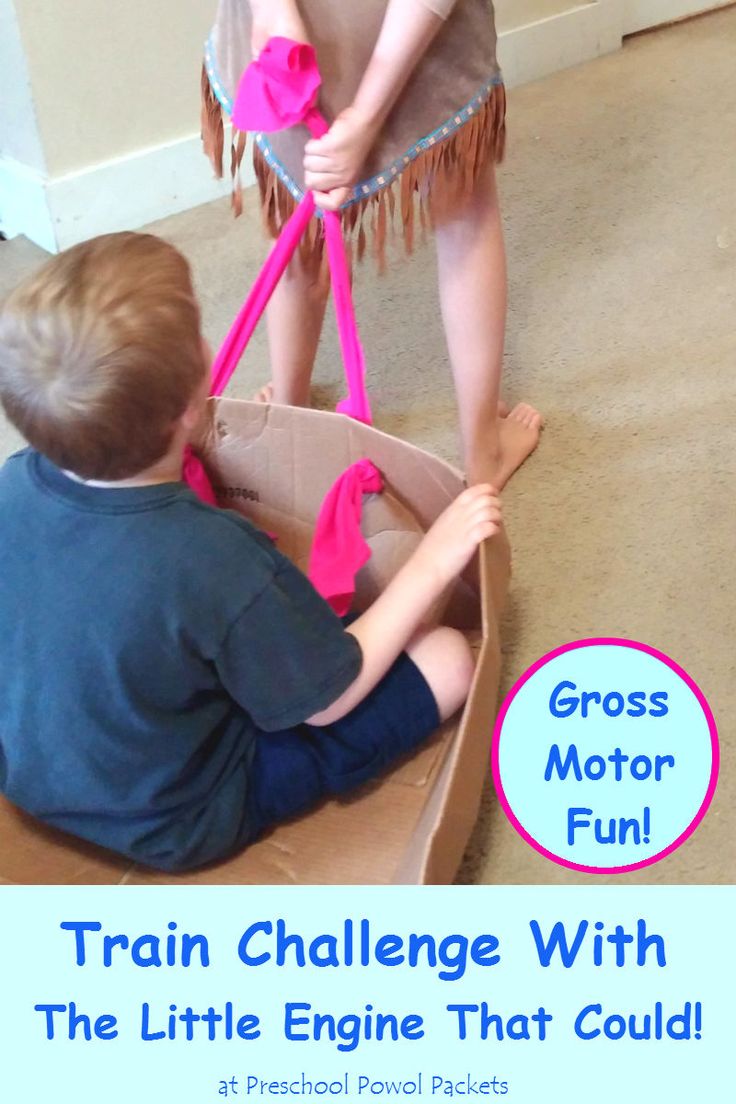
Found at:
[264, 411]
[444, 826]
[448, 817]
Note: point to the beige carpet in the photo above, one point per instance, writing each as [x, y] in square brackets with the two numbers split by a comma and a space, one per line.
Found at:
[619, 196]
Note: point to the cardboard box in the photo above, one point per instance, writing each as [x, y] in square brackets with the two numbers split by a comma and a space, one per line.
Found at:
[275, 465]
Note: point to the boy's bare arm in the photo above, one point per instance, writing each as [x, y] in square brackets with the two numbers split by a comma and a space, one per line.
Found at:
[385, 629]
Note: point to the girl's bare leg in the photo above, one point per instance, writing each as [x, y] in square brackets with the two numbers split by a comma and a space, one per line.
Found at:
[472, 280]
[294, 322]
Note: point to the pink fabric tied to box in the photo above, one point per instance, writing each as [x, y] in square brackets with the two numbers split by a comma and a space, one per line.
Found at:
[339, 550]
[278, 90]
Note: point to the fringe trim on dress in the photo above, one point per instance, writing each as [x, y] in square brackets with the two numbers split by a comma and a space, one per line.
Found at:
[430, 187]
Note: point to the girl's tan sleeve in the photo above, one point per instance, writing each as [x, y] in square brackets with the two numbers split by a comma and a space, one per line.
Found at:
[440, 7]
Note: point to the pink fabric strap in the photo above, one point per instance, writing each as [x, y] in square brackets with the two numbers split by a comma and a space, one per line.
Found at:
[250, 313]
[339, 549]
[196, 477]
[280, 90]
[277, 91]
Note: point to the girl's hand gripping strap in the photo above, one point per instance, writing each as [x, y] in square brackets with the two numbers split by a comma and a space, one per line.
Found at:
[280, 90]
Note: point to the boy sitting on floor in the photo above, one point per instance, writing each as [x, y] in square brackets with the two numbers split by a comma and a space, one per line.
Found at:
[171, 684]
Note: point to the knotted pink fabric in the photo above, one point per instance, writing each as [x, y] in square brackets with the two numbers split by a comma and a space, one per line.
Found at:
[339, 549]
[277, 91]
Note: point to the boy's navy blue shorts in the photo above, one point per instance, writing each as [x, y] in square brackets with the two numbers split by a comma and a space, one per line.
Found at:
[295, 769]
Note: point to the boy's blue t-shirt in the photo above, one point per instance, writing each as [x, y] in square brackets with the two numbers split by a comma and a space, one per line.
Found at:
[145, 639]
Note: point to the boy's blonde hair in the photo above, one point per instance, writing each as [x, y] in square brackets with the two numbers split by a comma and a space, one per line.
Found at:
[101, 353]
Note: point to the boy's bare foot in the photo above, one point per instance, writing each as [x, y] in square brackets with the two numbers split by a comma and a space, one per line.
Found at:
[518, 436]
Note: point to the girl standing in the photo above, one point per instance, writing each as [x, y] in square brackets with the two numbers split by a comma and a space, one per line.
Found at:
[418, 104]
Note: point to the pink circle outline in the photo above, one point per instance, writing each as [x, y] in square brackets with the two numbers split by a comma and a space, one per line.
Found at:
[617, 642]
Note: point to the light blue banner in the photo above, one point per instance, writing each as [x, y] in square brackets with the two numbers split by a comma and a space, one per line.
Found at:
[534, 994]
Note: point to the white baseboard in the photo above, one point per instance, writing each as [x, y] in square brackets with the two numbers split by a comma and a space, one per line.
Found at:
[123, 194]
[582, 32]
[639, 15]
[24, 206]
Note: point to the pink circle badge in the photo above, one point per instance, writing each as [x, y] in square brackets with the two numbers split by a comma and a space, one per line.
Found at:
[605, 756]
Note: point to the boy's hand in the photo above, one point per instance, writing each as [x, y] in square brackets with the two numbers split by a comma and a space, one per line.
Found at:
[451, 542]
[275, 19]
[332, 164]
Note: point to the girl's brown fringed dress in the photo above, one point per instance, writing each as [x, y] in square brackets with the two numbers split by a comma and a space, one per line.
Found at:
[447, 124]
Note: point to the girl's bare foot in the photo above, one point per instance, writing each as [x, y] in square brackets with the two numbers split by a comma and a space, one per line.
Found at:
[518, 436]
[264, 394]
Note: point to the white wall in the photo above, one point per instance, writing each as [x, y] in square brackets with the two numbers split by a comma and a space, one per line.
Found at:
[19, 137]
[539, 37]
[114, 92]
[112, 78]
